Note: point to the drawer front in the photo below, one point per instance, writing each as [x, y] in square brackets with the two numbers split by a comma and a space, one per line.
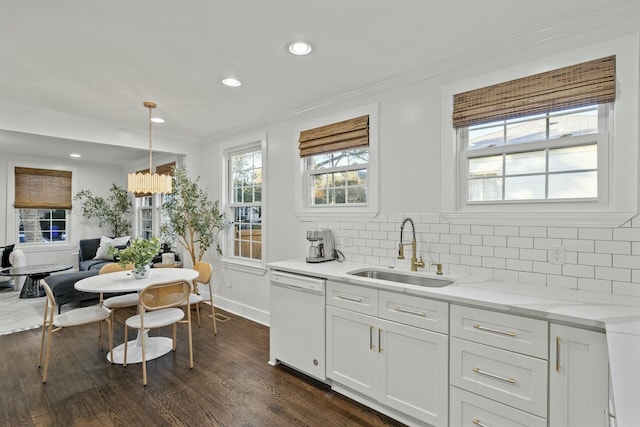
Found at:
[470, 410]
[515, 333]
[351, 297]
[511, 378]
[415, 311]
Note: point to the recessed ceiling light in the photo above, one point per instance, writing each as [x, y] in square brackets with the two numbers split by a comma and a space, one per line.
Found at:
[157, 119]
[231, 82]
[75, 155]
[300, 48]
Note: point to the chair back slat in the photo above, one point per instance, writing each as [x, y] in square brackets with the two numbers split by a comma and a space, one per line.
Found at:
[165, 295]
[204, 270]
[114, 267]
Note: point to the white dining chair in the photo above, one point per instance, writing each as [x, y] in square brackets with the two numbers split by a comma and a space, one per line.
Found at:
[52, 323]
[160, 305]
[204, 270]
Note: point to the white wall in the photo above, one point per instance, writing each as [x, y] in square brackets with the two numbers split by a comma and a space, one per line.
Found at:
[410, 115]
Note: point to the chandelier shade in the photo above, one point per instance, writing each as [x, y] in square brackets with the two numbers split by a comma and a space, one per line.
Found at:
[147, 182]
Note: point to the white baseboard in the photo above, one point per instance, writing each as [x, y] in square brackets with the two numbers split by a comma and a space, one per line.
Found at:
[251, 313]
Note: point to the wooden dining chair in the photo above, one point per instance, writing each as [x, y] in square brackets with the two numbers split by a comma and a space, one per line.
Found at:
[204, 270]
[160, 305]
[52, 323]
[119, 301]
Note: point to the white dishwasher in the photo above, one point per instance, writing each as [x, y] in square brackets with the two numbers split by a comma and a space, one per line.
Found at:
[297, 331]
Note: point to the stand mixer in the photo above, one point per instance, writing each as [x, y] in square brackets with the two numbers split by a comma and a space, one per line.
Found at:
[321, 247]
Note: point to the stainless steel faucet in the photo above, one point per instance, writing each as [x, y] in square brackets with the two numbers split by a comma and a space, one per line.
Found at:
[414, 260]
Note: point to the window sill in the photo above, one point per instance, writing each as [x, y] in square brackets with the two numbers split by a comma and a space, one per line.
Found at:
[309, 216]
[250, 267]
[576, 219]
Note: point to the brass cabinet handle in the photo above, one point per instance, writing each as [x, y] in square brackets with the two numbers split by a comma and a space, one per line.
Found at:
[349, 298]
[379, 340]
[415, 313]
[479, 424]
[495, 331]
[557, 354]
[371, 346]
[497, 377]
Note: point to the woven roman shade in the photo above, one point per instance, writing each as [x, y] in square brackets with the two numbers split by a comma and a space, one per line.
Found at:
[42, 188]
[343, 135]
[588, 83]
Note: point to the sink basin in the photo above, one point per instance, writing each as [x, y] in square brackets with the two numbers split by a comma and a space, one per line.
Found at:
[405, 278]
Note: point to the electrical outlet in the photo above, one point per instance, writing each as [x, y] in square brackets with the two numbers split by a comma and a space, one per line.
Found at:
[556, 254]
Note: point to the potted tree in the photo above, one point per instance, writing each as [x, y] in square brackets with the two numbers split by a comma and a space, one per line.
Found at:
[193, 221]
[114, 211]
[140, 253]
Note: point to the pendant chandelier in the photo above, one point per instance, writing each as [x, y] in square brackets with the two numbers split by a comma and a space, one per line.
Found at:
[148, 182]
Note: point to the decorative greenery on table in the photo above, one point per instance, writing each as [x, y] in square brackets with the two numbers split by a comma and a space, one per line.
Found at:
[114, 211]
[194, 221]
[139, 253]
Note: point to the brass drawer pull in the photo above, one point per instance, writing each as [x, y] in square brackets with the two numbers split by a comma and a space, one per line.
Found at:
[495, 331]
[497, 377]
[415, 313]
[371, 346]
[479, 424]
[379, 340]
[349, 298]
[557, 354]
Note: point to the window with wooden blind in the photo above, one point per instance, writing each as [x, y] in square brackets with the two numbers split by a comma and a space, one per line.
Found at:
[43, 201]
[542, 138]
[337, 158]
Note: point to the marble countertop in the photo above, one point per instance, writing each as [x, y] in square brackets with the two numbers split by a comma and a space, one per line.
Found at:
[618, 316]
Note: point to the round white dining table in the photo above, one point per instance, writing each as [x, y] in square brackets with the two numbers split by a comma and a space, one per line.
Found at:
[123, 281]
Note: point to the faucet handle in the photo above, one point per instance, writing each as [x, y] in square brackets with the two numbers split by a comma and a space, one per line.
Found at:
[438, 268]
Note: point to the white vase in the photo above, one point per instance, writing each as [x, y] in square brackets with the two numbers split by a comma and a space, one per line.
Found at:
[141, 272]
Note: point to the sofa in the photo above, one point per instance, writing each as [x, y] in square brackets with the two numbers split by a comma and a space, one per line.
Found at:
[87, 250]
[16, 258]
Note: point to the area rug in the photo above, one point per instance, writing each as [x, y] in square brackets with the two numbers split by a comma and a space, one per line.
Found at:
[18, 314]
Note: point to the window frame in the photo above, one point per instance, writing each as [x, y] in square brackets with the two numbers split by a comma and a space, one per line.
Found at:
[623, 171]
[12, 230]
[601, 139]
[305, 210]
[246, 265]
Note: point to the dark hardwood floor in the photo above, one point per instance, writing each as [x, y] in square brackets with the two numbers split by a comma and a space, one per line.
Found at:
[231, 383]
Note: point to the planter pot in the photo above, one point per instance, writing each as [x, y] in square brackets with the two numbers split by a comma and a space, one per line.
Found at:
[141, 272]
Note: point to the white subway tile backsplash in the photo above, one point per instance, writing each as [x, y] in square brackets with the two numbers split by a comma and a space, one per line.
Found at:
[482, 229]
[563, 232]
[613, 247]
[596, 259]
[611, 273]
[506, 230]
[519, 265]
[595, 233]
[533, 231]
[567, 282]
[494, 241]
[520, 242]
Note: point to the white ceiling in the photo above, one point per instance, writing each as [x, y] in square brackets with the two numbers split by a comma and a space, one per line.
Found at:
[100, 60]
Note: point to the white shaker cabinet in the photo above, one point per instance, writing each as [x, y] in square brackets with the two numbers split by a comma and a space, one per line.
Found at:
[578, 378]
[402, 367]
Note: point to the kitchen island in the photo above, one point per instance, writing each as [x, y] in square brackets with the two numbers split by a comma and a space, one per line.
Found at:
[616, 316]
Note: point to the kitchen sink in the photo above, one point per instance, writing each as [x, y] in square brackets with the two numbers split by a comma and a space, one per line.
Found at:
[394, 276]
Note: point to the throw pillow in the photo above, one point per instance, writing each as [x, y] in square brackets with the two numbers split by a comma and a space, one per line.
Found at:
[5, 255]
[106, 243]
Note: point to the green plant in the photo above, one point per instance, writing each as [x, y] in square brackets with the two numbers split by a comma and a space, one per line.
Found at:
[194, 221]
[139, 253]
[114, 211]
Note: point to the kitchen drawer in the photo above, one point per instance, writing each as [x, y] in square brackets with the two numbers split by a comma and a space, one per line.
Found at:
[352, 297]
[415, 311]
[470, 410]
[510, 332]
[511, 378]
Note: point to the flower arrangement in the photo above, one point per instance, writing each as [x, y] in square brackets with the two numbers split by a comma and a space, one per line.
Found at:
[140, 253]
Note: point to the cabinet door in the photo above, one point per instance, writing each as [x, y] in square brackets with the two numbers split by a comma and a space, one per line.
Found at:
[578, 377]
[413, 370]
[352, 349]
